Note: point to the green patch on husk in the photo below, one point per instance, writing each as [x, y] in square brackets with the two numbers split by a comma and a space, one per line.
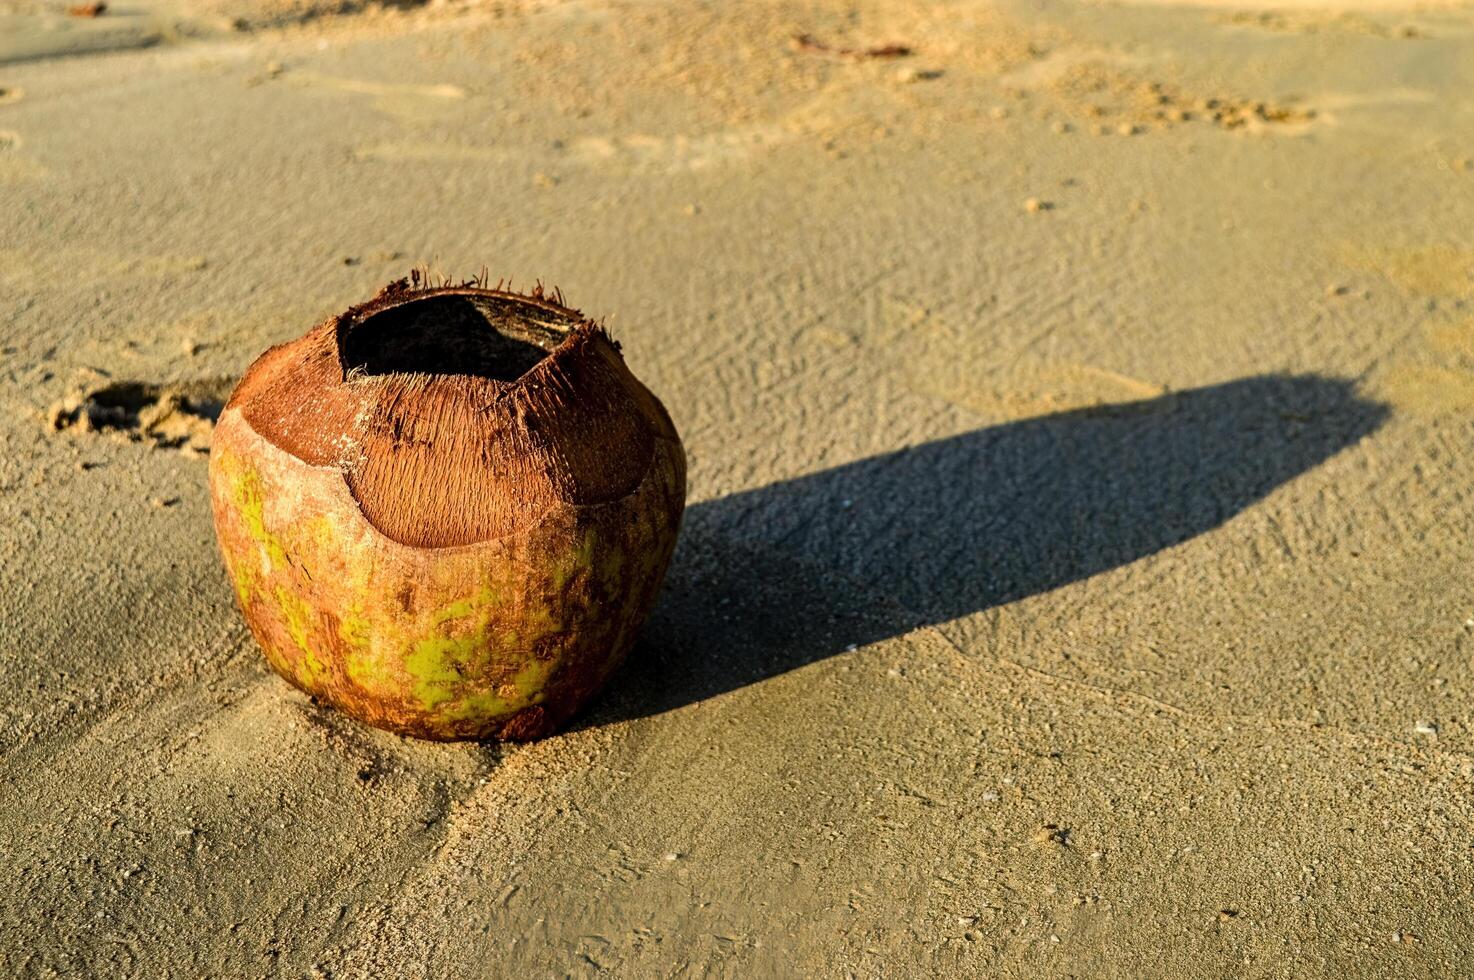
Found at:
[521, 691]
[250, 501]
[440, 663]
[243, 577]
[298, 617]
[360, 660]
[451, 671]
[461, 608]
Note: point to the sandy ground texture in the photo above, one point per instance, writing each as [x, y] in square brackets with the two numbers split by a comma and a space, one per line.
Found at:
[1075, 581]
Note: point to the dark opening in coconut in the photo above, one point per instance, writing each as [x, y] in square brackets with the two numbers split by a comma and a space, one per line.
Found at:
[500, 337]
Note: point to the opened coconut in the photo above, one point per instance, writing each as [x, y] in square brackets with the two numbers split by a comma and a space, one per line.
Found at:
[447, 511]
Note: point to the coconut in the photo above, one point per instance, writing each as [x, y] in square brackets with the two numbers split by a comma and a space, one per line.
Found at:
[447, 511]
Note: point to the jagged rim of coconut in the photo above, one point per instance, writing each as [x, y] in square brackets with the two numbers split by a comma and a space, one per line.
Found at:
[577, 330]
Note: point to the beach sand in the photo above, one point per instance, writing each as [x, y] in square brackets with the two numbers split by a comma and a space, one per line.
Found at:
[1075, 578]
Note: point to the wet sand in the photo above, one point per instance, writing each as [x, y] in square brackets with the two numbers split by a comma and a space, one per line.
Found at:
[1075, 580]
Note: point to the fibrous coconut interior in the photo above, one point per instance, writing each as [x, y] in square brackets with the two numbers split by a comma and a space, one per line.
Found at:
[497, 337]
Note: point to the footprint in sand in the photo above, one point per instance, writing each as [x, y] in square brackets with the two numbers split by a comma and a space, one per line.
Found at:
[1046, 388]
[1454, 340]
[639, 151]
[926, 345]
[1438, 382]
[1435, 378]
[1441, 269]
[177, 416]
[405, 102]
[15, 166]
[409, 152]
[1319, 22]
[1427, 389]
[19, 266]
[1116, 93]
[680, 152]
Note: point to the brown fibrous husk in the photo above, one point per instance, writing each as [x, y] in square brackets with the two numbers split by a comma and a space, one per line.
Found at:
[447, 510]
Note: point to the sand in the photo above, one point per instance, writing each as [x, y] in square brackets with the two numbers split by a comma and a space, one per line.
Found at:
[1075, 588]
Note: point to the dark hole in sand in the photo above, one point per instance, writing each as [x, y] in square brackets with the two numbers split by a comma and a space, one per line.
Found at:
[488, 337]
[168, 415]
[129, 404]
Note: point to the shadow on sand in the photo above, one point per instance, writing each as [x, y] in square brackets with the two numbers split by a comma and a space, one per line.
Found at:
[771, 579]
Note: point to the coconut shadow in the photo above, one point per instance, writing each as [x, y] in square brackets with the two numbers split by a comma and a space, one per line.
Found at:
[772, 579]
